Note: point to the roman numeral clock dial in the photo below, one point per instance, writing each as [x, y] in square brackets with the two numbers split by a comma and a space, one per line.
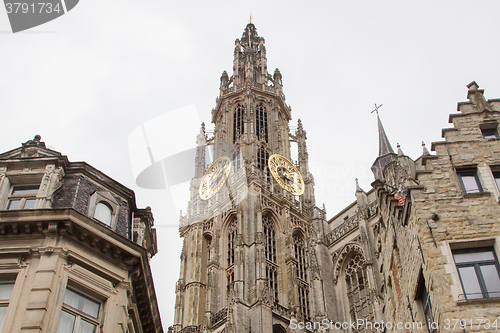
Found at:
[215, 177]
[286, 174]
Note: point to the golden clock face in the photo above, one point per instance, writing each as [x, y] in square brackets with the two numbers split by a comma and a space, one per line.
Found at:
[215, 177]
[286, 174]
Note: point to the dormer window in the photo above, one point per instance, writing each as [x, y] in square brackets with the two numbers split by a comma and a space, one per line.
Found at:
[103, 213]
[103, 207]
[22, 197]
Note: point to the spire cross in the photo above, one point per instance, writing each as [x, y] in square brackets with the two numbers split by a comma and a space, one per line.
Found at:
[376, 108]
[251, 17]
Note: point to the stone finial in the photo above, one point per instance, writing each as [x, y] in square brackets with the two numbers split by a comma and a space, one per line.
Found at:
[277, 77]
[425, 152]
[300, 128]
[400, 151]
[476, 97]
[35, 142]
[316, 214]
[224, 79]
[31, 147]
[358, 188]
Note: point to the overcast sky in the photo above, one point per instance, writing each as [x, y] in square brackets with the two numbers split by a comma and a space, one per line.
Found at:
[86, 80]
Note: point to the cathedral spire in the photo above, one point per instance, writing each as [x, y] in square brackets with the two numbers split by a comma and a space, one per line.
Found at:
[384, 146]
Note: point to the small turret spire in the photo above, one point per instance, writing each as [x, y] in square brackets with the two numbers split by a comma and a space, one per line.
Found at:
[400, 151]
[358, 188]
[384, 146]
[201, 142]
[425, 151]
[385, 152]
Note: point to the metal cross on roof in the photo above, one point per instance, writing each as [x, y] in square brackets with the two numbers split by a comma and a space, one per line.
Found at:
[376, 108]
[251, 17]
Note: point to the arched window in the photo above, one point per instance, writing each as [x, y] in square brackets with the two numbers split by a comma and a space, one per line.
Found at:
[262, 157]
[238, 122]
[208, 247]
[270, 237]
[357, 288]
[103, 213]
[237, 159]
[231, 246]
[261, 122]
[270, 253]
[303, 286]
[299, 248]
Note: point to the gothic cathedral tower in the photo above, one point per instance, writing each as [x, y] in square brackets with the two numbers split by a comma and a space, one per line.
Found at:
[249, 261]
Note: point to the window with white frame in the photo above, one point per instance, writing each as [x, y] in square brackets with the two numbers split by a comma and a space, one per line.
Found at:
[469, 181]
[22, 197]
[103, 212]
[496, 175]
[5, 294]
[479, 272]
[104, 207]
[79, 314]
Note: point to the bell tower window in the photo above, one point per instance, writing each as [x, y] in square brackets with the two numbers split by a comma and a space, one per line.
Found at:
[270, 253]
[237, 159]
[238, 122]
[303, 286]
[231, 246]
[261, 122]
[262, 157]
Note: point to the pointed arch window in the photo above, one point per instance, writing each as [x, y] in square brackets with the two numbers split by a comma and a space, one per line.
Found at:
[357, 288]
[231, 247]
[261, 122]
[299, 249]
[237, 159]
[238, 122]
[262, 157]
[303, 286]
[270, 237]
[270, 253]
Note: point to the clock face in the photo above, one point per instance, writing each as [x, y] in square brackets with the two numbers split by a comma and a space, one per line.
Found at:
[286, 174]
[215, 177]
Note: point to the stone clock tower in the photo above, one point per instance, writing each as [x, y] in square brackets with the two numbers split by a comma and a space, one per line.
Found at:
[251, 253]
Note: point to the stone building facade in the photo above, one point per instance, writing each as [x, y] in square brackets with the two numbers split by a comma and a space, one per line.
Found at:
[74, 248]
[418, 252]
